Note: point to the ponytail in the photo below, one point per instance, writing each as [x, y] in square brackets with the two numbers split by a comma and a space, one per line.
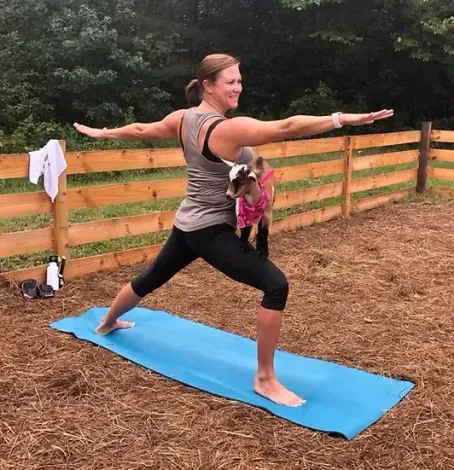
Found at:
[193, 93]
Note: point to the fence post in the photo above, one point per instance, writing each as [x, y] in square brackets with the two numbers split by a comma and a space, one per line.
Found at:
[60, 211]
[349, 143]
[424, 148]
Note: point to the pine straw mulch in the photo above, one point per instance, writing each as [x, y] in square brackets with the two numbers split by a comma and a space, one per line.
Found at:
[373, 292]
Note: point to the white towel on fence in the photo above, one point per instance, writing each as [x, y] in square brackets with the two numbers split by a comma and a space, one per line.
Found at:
[50, 162]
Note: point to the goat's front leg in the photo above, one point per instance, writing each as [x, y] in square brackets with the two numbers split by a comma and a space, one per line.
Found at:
[262, 238]
[244, 237]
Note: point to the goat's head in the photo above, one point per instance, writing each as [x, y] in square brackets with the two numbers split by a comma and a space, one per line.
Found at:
[241, 177]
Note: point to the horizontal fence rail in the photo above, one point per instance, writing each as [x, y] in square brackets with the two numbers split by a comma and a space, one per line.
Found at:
[384, 140]
[441, 155]
[346, 163]
[442, 136]
[14, 205]
[441, 170]
[16, 165]
[385, 159]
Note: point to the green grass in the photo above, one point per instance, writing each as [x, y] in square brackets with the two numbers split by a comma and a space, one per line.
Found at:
[21, 185]
[33, 222]
[441, 183]
[130, 209]
[437, 164]
[124, 243]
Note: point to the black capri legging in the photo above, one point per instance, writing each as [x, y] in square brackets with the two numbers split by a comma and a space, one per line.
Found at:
[220, 247]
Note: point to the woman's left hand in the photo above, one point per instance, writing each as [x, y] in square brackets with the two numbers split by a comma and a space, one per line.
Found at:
[351, 119]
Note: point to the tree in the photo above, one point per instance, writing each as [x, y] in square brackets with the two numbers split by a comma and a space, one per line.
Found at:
[394, 53]
[66, 60]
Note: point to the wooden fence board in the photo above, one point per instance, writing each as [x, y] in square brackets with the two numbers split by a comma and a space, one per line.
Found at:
[18, 204]
[121, 160]
[383, 140]
[37, 272]
[445, 192]
[441, 155]
[111, 194]
[82, 266]
[14, 165]
[442, 136]
[308, 170]
[302, 196]
[18, 243]
[306, 218]
[17, 165]
[379, 181]
[300, 147]
[121, 227]
[385, 159]
[372, 202]
[441, 174]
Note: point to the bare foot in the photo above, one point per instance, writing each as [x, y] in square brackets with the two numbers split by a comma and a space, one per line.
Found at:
[274, 391]
[106, 328]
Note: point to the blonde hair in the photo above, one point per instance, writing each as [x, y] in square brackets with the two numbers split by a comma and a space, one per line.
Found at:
[208, 69]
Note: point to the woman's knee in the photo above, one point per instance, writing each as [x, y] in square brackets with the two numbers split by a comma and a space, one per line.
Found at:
[276, 293]
[141, 286]
[173, 257]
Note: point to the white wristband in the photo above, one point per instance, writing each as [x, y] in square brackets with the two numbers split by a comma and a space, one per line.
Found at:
[336, 121]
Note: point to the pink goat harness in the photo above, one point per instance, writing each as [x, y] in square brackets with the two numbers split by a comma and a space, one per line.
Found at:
[249, 214]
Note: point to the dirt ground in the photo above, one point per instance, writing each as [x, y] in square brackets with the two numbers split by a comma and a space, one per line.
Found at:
[373, 292]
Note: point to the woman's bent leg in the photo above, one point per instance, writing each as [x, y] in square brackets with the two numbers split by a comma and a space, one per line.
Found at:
[174, 256]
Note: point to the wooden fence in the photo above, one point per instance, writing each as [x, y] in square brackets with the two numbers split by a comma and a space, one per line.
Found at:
[445, 156]
[62, 236]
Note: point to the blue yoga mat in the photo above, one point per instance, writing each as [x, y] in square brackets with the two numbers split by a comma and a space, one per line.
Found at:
[340, 399]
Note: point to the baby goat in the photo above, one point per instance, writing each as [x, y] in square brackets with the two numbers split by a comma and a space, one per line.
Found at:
[253, 188]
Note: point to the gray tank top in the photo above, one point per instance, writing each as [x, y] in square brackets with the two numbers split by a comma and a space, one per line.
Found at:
[205, 203]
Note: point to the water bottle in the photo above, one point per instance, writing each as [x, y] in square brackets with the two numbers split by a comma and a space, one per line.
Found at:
[52, 273]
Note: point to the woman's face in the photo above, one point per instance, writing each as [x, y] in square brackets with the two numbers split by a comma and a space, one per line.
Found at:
[226, 89]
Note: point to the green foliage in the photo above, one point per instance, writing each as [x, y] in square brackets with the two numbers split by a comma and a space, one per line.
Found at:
[320, 101]
[302, 4]
[30, 135]
[64, 58]
[111, 62]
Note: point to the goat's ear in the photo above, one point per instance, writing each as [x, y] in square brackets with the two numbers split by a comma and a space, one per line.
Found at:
[252, 176]
[256, 166]
[259, 163]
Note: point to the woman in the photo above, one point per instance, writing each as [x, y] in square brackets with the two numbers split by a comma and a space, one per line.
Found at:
[205, 223]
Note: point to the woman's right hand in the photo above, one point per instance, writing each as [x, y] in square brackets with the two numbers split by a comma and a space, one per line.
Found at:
[90, 131]
[166, 129]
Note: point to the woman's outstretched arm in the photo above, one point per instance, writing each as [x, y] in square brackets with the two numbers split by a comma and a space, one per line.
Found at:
[245, 131]
[166, 129]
